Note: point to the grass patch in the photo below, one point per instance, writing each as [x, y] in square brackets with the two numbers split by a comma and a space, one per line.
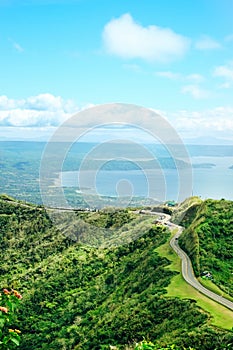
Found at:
[211, 286]
[220, 316]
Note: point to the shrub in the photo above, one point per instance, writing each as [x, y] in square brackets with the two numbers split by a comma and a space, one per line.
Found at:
[9, 335]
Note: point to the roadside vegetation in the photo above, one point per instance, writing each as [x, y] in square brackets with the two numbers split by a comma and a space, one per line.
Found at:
[208, 240]
[220, 316]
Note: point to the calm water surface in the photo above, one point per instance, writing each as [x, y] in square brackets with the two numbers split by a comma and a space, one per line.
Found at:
[215, 182]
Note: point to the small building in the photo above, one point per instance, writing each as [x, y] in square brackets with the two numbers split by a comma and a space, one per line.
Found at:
[171, 204]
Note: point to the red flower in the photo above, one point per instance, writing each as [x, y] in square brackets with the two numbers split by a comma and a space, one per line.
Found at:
[6, 291]
[3, 309]
[19, 296]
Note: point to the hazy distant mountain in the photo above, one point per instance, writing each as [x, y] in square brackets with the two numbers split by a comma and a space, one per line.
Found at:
[207, 141]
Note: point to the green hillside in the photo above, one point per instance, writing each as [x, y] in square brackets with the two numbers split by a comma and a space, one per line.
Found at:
[208, 239]
[77, 296]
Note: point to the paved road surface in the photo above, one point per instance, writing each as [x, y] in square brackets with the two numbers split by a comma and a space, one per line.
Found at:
[187, 269]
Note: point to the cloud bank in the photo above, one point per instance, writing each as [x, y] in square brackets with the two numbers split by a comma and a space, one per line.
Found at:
[216, 122]
[37, 117]
[44, 110]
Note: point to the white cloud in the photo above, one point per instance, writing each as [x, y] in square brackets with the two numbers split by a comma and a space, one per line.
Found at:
[195, 91]
[23, 119]
[18, 47]
[196, 78]
[169, 75]
[229, 38]
[207, 43]
[125, 38]
[7, 103]
[226, 85]
[46, 102]
[225, 72]
[217, 122]
[36, 111]
[133, 67]
[30, 117]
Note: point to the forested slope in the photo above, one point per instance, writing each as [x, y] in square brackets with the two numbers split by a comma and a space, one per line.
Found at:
[208, 240]
[80, 297]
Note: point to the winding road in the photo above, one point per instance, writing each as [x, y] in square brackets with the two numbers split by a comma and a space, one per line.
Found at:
[187, 269]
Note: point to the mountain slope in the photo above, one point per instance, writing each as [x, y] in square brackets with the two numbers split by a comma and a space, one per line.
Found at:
[80, 297]
[208, 240]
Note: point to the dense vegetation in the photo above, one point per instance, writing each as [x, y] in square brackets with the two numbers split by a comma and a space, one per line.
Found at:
[186, 211]
[208, 240]
[80, 297]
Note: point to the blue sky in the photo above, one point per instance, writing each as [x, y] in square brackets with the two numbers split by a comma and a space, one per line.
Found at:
[58, 57]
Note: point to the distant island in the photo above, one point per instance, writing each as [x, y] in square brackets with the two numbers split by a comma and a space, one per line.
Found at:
[126, 165]
[204, 165]
[163, 162]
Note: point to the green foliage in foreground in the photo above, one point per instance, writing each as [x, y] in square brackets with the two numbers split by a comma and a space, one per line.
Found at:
[9, 335]
[150, 346]
[209, 242]
[80, 297]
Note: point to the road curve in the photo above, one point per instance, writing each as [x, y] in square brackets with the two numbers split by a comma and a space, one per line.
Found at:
[187, 269]
[188, 274]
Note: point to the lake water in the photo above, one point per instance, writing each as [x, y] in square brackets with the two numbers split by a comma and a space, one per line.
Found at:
[216, 182]
[20, 164]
